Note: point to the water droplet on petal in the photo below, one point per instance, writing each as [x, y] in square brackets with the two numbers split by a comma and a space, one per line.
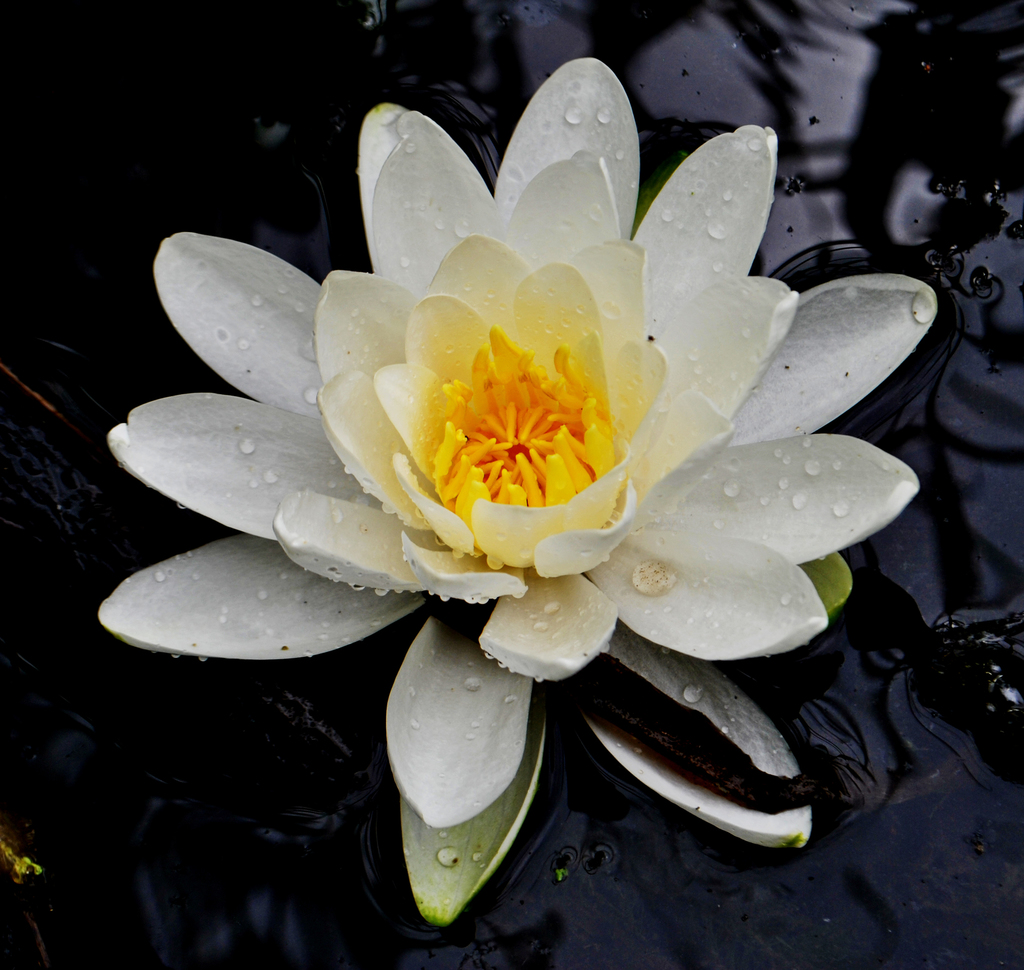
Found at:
[246, 446]
[653, 578]
[812, 468]
[448, 856]
[256, 300]
[841, 509]
[604, 116]
[540, 626]
[783, 483]
[159, 575]
[472, 683]
[716, 230]
[309, 395]
[553, 607]
[573, 115]
[404, 262]
[414, 724]
[799, 500]
[692, 693]
[732, 488]
[786, 598]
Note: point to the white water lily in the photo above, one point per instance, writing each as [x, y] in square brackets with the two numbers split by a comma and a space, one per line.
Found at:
[523, 404]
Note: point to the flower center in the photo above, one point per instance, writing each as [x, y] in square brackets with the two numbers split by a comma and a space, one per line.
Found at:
[517, 437]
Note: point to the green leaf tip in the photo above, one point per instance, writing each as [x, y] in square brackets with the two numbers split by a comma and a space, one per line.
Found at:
[833, 581]
[653, 184]
[448, 867]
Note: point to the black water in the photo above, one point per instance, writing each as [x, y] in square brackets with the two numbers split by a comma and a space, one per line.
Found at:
[238, 815]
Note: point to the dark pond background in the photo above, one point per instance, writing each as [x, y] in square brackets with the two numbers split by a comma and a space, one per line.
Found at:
[222, 815]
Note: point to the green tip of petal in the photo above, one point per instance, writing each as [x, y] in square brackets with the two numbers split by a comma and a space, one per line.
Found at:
[654, 184]
[448, 867]
[833, 581]
[796, 841]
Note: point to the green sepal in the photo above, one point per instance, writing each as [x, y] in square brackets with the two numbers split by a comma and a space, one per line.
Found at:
[653, 184]
[473, 849]
[833, 581]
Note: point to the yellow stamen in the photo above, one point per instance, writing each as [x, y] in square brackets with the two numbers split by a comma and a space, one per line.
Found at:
[516, 495]
[559, 488]
[516, 436]
[600, 451]
[578, 474]
[533, 493]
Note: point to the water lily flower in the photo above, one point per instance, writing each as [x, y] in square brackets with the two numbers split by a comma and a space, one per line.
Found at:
[525, 402]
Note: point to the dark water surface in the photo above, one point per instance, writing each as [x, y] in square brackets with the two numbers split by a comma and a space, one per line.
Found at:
[222, 815]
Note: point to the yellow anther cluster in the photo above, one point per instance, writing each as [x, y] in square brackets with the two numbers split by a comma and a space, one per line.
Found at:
[517, 437]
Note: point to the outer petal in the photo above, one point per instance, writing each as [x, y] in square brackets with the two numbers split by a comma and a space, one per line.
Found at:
[241, 597]
[554, 306]
[577, 550]
[248, 314]
[444, 335]
[484, 273]
[847, 337]
[449, 528]
[228, 458]
[360, 323]
[468, 578]
[366, 441]
[343, 541]
[378, 138]
[581, 107]
[428, 197]
[724, 339]
[556, 629]
[567, 207]
[456, 726]
[412, 397]
[707, 222]
[700, 685]
[685, 441]
[804, 498]
[712, 597]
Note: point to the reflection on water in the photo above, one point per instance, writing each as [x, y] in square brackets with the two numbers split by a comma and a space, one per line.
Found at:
[219, 815]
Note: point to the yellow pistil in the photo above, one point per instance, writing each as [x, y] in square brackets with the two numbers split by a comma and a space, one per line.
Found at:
[518, 437]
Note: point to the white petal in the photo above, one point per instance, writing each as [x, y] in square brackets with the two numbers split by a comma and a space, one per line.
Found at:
[711, 693]
[582, 106]
[484, 273]
[428, 198]
[554, 306]
[615, 272]
[636, 380]
[228, 458]
[556, 629]
[344, 541]
[803, 497]
[468, 578]
[366, 441]
[411, 396]
[701, 686]
[475, 848]
[360, 323]
[449, 527]
[723, 340]
[707, 222]
[378, 138]
[688, 436]
[786, 830]
[248, 314]
[847, 337]
[711, 596]
[456, 725]
[577, 550]
[567, 207]
[444, 335]
[510, 533]
[242, 597]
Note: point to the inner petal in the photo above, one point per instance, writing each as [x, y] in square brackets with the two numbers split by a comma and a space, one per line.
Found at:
[518, 436]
